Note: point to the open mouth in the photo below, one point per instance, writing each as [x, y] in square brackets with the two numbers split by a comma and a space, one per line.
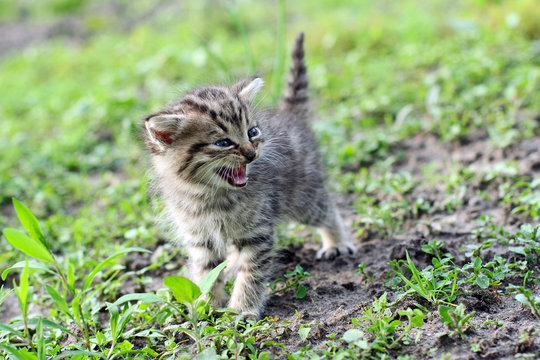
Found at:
[236, 177]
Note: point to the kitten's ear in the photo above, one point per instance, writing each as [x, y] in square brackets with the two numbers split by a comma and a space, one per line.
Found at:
[161, 128]
[247, 88]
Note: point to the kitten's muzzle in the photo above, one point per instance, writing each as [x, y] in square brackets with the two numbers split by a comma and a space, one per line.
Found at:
[249, 154]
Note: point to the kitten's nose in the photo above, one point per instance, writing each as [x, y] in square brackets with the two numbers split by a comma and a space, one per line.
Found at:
[248, 153]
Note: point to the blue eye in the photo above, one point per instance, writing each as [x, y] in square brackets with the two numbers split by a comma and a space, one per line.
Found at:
[223, 143]
[254, 131]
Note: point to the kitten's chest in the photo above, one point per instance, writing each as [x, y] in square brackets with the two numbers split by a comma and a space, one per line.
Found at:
[225, 219]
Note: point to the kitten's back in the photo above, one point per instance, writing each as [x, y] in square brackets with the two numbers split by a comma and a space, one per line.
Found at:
[290, 163]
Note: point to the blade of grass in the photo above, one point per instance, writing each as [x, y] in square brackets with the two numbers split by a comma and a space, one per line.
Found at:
[279, 68]
[29, 221]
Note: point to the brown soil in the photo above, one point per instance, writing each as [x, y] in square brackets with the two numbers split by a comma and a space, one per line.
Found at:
[336, 294]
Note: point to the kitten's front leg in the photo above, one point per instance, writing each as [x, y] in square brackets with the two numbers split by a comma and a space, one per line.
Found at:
[201, 260]
[254, 261]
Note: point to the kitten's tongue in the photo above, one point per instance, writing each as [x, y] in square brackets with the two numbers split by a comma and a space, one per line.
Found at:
[238, 176]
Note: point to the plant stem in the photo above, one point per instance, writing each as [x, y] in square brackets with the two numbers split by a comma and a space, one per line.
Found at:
[84, 328]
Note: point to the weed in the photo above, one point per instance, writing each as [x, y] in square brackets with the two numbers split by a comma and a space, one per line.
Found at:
[193, 296]
[476, 347]
[476, 249]
[523, 195]
[385, 330]
[383, 216]
[495, 322]
[526, 297]
[527, 241]
[291, 280]
[361, 271]
[70, 300]
[489, 231]
[437, 283]
[488, 274]
[455, 319]
[434, 248]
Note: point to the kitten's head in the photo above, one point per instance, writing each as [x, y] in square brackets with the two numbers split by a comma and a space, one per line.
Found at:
[209, 136]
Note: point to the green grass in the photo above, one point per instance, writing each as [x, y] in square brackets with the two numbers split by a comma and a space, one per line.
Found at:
[380, 72]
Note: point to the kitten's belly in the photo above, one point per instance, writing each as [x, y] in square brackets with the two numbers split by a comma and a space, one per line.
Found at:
[218, 227]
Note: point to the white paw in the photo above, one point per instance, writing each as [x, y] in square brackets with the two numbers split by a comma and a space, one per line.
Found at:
[248, 315]
[332, 252]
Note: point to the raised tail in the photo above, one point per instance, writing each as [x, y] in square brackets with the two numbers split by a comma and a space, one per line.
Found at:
[296, 95]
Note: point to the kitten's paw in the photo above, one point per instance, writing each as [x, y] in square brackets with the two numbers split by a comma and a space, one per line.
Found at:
[219, 302]
[245, 316]
[332, 252]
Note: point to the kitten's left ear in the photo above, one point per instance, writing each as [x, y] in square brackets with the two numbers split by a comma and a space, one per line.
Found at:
[162, 129]
[247, 88]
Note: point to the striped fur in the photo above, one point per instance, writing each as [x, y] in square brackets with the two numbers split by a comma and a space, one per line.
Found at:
[296, 96]
[213, 212]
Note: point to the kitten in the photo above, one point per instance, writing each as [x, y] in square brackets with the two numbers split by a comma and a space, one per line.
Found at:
[229, 173]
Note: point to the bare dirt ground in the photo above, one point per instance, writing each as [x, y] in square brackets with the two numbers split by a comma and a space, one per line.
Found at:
[336, 294]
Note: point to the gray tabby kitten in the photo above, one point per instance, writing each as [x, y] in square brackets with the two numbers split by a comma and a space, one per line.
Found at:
[229, 173]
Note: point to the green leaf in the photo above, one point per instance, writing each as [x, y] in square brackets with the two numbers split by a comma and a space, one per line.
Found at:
[304, 332]
[10, 330]
[105, 262]
[70, 354]
[75, 308]
[50, 324]
[18, 354]
[142, 297]
[417, 321]
[208, 280]
[518, 250]
[115, 314]
[483, 281]
[27, 245]
[353, 335]
[30, 223]
[22, 290]
[71, 277]
[31, 265]
[301, 292]
[59, 300]
[477, 263]
[523, 299]
[124, 319]
[207, 354]
[188, 332]
[184, 290]
[41, 340]
[150, 352]
[444, 313]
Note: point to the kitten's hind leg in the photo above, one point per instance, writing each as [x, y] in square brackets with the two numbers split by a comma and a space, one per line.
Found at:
[334, 237]
[254, 266]
[201, 260]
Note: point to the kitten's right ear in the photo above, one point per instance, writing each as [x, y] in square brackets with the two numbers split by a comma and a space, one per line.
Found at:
[247, 88]
[161, 128]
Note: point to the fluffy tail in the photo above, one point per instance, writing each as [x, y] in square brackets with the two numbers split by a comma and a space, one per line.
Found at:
[296, 95]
